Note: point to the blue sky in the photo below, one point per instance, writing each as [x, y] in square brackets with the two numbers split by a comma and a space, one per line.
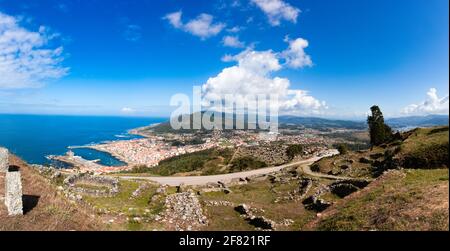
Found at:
[336, 58]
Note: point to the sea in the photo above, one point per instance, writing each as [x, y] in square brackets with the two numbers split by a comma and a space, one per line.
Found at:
[33, 137]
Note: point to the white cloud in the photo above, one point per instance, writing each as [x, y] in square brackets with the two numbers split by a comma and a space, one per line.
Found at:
[25, 61]
[232, 41]
[202, 26]
[295, 55]
[433, 105]
[277, 10]
[252, 75]
[127, 110]
[175, 19]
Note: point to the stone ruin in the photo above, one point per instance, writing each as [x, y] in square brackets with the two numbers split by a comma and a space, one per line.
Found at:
[13, 185]
[96, 183]
[259, 222]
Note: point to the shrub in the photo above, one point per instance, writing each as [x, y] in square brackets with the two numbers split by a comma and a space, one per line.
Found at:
[294, 150]
[342, 148]
[246, 163]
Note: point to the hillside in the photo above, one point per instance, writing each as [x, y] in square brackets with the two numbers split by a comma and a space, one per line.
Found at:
[410, 190]
[44, 208]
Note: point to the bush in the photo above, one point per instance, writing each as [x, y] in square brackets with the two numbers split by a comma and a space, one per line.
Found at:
[246, 163]
[294, 150]
[342, 148]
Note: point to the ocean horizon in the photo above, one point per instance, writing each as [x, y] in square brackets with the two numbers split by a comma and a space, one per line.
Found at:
[32, 137]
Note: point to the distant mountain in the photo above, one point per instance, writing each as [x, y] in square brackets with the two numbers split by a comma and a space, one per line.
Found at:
[418, 121]
[325, 124]
[284, 122]
[321, 123]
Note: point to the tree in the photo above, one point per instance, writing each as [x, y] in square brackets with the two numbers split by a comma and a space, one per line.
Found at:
[379, 132]
[342, 148]
[294, 150]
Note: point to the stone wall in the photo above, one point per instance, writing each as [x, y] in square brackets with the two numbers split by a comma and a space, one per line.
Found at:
[111, 183]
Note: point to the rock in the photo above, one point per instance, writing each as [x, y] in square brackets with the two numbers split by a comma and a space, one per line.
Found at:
[56, 175]
[262, 222]
[181, 188]
[226, 190]
[13, 193]
[243, 209]
[287, 222]
[4, 160]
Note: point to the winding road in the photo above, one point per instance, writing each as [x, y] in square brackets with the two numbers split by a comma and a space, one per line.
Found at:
[227, 178]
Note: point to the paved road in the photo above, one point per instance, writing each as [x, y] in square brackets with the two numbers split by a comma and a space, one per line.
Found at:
[225, 178]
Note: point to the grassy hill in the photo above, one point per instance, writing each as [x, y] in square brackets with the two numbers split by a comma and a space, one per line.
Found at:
[398, 200]
[410, 192]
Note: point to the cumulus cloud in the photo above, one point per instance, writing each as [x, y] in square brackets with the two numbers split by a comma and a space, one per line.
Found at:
[432, 105]
[232, 41]
[202, 26]
[277, 10]
[253, 75]
[295, 54]
[25, 61]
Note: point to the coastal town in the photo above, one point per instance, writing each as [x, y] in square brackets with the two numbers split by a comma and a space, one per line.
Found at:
[153, 148]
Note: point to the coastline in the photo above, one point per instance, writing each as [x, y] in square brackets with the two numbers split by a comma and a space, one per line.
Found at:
[133, 131]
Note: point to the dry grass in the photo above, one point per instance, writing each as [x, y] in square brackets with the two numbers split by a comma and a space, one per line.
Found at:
[407, 200]
[52, 212]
